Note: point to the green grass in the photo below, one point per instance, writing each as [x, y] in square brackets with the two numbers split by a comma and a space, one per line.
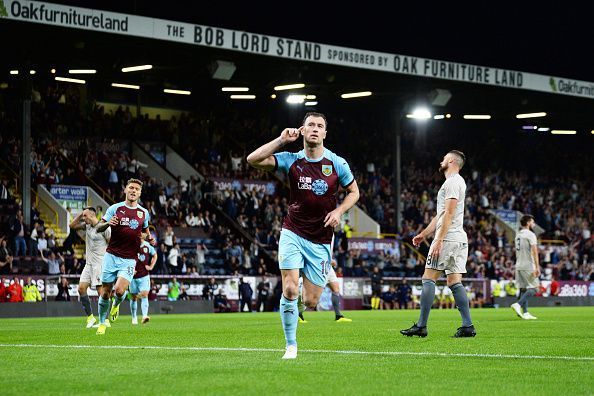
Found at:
[67, 370]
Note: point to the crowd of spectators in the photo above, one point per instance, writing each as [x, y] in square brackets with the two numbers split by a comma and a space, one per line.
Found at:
[216, 142]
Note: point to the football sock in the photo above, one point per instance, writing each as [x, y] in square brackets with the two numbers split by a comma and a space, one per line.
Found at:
[103, 309]
[289, 316]
[427, 297]
[86, 303]
[144, 305]
[523, 301]
[133, 307]
[461, 298]
[336, 303]
[118, 300]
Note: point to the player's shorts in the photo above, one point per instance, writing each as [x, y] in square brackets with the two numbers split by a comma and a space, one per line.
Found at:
[91, 274]
[331, 276]
[116, 267]
[295, 252]
[525, 279]
[452, 258]
[139, 285]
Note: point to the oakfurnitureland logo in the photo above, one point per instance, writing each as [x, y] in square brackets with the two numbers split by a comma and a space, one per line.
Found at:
[66, 16]
[553, 85]
[3, 12]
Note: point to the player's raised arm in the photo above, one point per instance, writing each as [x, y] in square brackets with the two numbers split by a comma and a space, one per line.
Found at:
[262, 157]
[77, 223]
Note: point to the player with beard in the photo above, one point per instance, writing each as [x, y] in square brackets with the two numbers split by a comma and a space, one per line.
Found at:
[314, 175]
[128, 221]
[449, 250]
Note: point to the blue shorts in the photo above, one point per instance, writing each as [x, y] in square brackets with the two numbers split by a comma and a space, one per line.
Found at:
[295, 252]
[139, 285]
[116, 267]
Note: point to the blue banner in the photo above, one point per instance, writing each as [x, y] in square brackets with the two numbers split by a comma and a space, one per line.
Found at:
[69, 193]
[510, 216]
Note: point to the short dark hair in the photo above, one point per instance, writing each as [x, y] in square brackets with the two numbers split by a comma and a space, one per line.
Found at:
[92, 209]
[132, 180]
[525, 219]
[314, 114]
[461, 157]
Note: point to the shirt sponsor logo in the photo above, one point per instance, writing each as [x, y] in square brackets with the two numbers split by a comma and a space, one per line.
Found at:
[134, 224]
[319, 187]
[304, 183]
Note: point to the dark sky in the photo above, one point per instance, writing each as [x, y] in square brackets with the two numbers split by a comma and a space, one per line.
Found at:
[534, 37]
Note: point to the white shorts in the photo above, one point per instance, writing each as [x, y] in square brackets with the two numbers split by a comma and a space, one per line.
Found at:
[526, 280]
[91, 274]
[331, 276]
[452, 258]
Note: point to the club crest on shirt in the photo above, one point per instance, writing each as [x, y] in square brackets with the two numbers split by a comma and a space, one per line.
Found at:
[326, 170]
[139, 213]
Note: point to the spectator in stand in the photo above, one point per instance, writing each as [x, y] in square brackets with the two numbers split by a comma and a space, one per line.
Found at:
[191, 220]
[389, 299]
[15, 291]
[169, 238]
[209, 290]
[404, 295]
[99, 213]
[6, 257]
[53, 263]
[154, 291]
[4, 191]
[63, 290]
[200, 257]
[20, 232]
[347, 229]
[162, 254]
[221, 303]
[3, 290]
[183, 296]
[41, 244]
[172, 260]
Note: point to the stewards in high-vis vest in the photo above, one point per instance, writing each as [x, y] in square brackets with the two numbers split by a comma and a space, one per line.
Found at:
[31, 292]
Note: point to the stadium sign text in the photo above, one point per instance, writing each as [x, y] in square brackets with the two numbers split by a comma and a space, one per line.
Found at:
[259, 44]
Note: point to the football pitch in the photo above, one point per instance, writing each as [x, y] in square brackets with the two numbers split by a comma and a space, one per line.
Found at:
[241, 354]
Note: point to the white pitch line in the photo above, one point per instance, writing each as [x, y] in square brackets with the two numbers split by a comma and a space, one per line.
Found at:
[343, 352]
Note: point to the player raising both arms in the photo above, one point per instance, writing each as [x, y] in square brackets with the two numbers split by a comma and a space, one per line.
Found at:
[314, 175]
[128, 220]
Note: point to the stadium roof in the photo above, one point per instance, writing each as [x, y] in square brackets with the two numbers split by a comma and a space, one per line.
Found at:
[182, 66]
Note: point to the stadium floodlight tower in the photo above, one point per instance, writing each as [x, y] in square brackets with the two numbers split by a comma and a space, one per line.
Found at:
[419, 114]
